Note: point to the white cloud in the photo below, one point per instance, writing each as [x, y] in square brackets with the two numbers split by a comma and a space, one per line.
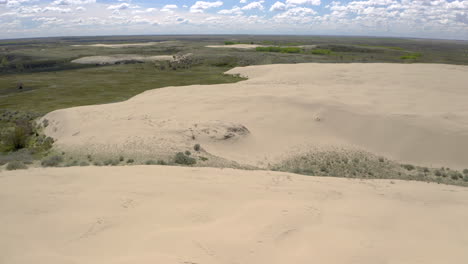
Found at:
[169, 8]
[147, 10]
[295, 15]
[303, 2]
[122, 6]
[278, 6]
[56, 9]
[201, 6]
[254, 5]
[243, 1]
[80, 8]
[73, 2]
[233, 11]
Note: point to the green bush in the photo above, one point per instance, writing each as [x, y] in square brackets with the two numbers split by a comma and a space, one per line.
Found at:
[455, 175]
[52, 161]
[18, 137]
[151, 162]
[408, 167]
[465, 171]
[196, 147]
[230, 42]
[279, 49]
[321, 51]
[181, 158]
[162, 162]
[16, 165]
[411, 56]
[130, 161]
[84, 163]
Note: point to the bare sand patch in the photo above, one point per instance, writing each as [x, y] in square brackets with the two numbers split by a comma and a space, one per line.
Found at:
[113, 59]
[236, 46]
[124, 45]
[172, 215]
[414, 113]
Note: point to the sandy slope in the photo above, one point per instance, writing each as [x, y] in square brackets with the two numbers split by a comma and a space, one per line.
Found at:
[151, 214]
[414, 113]
[113, 59]
[125, 45]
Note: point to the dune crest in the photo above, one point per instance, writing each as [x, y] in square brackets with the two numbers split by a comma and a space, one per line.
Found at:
[408, 112]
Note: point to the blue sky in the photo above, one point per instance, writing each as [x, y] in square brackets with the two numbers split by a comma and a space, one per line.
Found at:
[404, 18]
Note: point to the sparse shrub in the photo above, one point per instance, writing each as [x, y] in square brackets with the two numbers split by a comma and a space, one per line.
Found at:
[90, 158]
[162, 162]
[381, 159]
[97, 163]
[408, 167]
[203, 158]
[18, 138]
[52, 161]
[130, 161]
[121, 158]
[183, 159]
[196, 147]
[188, 153]
[279, 49]
[465, 178]
[150, 162]
[438, 173]
[45, 123]
[84, 163]
[111, 162]
[72, 163]
[455, 175]
[16, 165]
[465, 171]
[321, 51]
[425, 169]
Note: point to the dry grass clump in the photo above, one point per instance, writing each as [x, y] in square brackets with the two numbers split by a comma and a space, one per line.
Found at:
[360, 164]
[52, 161]
[184, 158]
[16, 165]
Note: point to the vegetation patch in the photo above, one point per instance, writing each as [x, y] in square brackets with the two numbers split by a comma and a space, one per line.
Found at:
[360, 164]
[279, 49]
[16, 165]
[52, 161]
[411, 56]
[184, 159]
[321, 51]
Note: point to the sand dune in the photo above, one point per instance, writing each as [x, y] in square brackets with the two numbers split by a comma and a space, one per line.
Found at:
[113, 59]
[153, 214]
[408, 112]
[124, 45]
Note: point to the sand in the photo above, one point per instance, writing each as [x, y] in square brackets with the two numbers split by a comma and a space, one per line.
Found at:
[413, 113]
[236, 46]
[113, 59]
[153, 214]
[125, 45]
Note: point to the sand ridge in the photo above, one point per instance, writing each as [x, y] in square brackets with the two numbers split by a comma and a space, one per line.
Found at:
[113, 59]
[413, 113]
[124, 45]
[172, 215]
